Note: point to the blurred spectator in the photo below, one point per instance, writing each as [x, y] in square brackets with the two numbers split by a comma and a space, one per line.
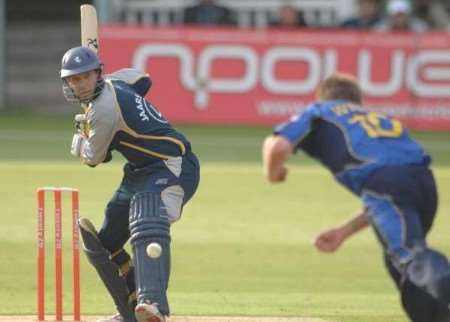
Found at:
[289, 17]
[206, 12]
[432, 12]
[368, 15]
[400, 18]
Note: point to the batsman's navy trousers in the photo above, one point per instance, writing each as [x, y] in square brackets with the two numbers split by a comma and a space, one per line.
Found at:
[157, 178]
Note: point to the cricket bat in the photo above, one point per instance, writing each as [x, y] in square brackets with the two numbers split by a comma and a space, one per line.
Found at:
[89, 38]
[89, 27]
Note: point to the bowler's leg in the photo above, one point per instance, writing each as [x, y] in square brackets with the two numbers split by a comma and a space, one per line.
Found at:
[419, 267]
[418, 304]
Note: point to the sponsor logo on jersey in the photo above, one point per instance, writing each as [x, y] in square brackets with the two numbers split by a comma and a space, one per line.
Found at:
[140, 106]
[147, 110]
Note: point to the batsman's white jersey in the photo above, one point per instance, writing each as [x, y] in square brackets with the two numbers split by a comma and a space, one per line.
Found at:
[121, 119]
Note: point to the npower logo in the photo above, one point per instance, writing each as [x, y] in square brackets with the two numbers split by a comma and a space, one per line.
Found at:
[425, 73]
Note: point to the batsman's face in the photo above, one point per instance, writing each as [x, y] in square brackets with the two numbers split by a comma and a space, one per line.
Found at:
[83, 85]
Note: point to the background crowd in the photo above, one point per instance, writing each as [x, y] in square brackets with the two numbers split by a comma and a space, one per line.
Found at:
[383, 15]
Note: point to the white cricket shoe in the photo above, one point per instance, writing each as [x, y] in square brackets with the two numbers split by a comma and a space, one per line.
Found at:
[145, 312]
[115, 318]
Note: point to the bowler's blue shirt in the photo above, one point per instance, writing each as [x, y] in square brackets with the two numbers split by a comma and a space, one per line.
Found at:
[350, 141]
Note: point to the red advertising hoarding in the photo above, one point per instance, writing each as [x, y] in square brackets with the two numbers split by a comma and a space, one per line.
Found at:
[246, 76]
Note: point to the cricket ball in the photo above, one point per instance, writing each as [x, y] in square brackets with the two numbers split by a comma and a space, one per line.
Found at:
[154, 250]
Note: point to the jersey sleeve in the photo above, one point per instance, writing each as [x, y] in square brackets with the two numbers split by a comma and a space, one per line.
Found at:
[298, 126]
[101, 131]
[140, 82]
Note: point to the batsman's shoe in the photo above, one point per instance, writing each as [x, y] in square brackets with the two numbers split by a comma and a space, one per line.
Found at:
[146, 312]
[115, 318]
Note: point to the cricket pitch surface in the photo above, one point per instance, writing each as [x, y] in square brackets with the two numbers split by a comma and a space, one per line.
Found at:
[17, 318]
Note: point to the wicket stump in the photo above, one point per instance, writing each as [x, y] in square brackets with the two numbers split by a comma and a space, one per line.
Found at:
[57, 193]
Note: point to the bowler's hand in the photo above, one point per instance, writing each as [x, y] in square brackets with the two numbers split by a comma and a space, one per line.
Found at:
[330, 240]
[278, 174]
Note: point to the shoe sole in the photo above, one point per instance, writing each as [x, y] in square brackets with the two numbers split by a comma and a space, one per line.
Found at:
[144, 315]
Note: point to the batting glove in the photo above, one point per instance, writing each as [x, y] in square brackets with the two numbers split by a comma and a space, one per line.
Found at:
[80, 123]
[77, 144]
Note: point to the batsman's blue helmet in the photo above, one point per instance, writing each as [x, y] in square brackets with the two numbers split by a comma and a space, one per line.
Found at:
[79, 60]
[76, 61]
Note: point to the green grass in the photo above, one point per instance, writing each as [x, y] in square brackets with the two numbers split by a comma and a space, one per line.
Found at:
[243, 247]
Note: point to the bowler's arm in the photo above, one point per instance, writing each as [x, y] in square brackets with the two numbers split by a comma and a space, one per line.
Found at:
[275, 153]
[330, 240]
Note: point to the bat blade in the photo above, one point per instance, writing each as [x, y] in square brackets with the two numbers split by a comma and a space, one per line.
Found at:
[89, 27]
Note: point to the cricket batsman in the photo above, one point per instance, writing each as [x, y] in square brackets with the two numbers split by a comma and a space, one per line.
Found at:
[161, 174]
